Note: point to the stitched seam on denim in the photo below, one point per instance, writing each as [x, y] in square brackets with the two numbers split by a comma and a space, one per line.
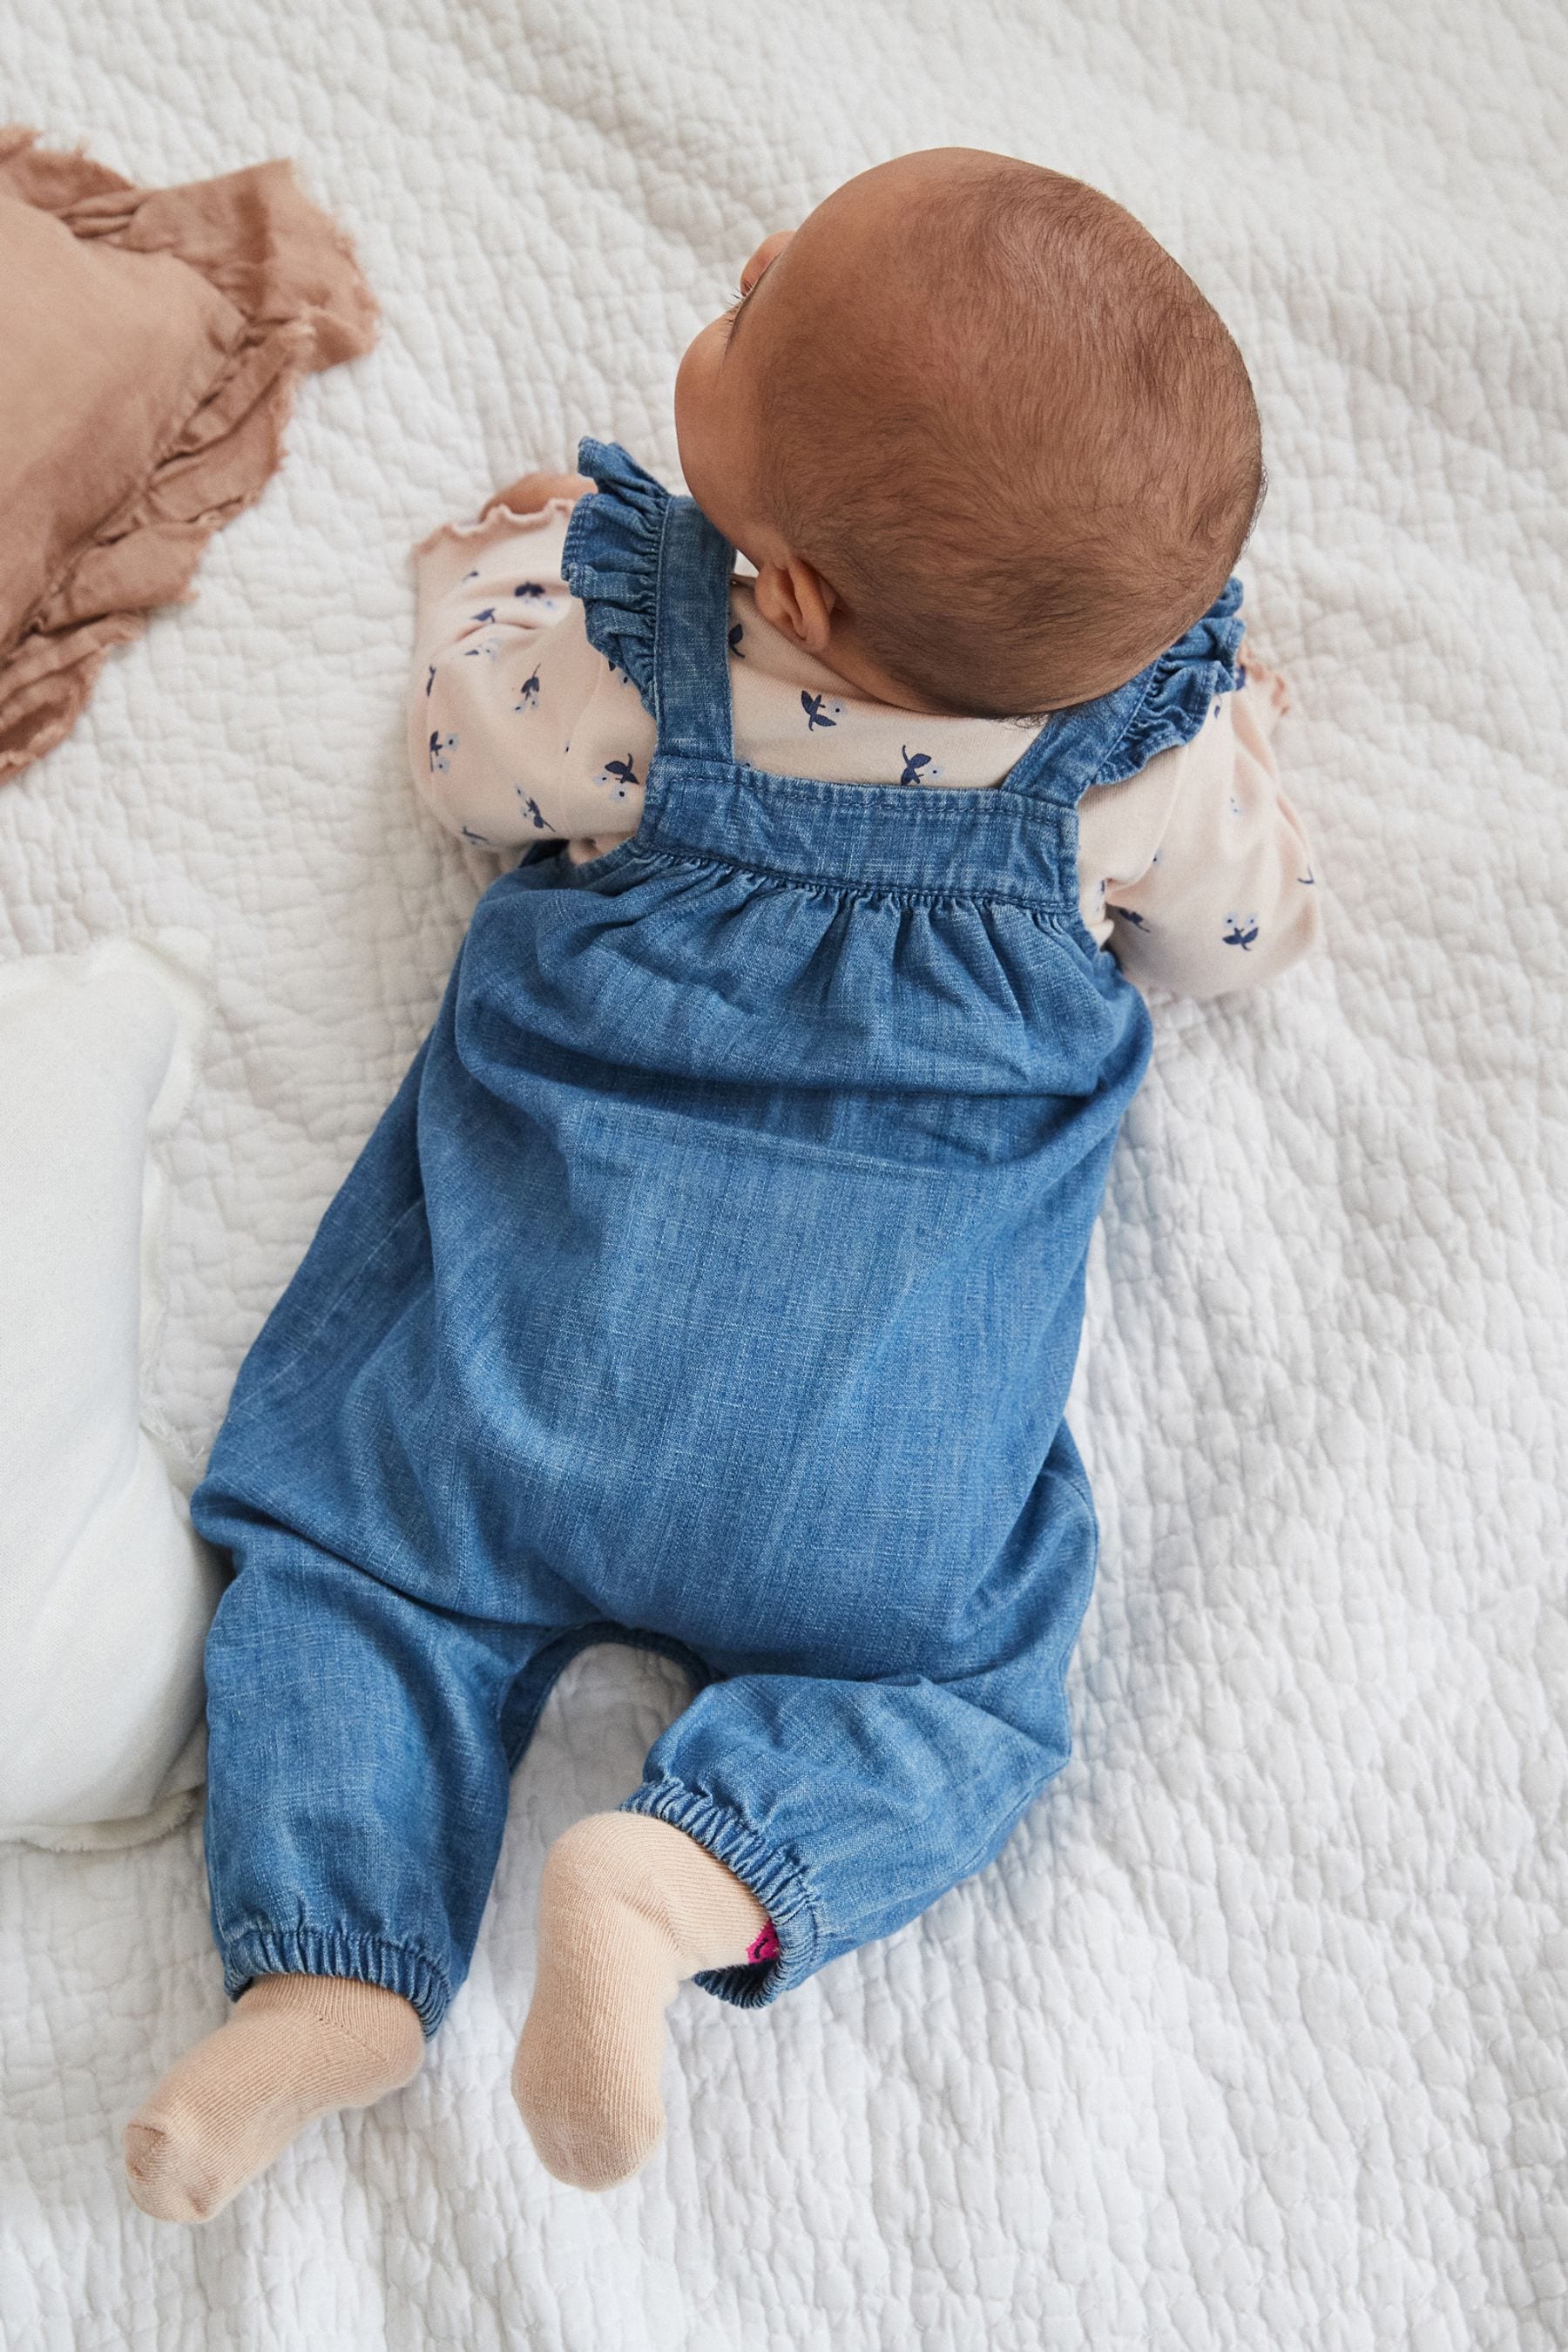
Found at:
[662, 1645]
[946, 802]
[649, 850]
[571, 558]
[577, 1639]
[738, 1142]
[986, 1851]
[658, 602]
[1058, 913]
[572, 1648]
[315, 1328]
[920, 800]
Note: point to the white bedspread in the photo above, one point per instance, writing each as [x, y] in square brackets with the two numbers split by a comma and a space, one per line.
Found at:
[1256, 2037]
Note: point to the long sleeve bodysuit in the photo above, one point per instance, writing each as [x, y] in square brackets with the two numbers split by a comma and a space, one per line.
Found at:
[1195, 872]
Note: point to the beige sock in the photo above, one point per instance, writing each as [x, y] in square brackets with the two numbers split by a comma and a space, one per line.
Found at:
[627, 1906]
[295, 2048]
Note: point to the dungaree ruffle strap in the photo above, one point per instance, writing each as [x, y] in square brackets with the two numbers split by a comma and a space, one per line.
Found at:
[611, 559]
[1108, 740]
[1180, 687]
[613, 549]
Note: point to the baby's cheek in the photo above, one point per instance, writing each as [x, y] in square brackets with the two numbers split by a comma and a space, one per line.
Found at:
[692, 381]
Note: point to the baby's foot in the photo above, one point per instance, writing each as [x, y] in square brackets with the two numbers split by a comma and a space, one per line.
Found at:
[295, 2048]
[627, 1906]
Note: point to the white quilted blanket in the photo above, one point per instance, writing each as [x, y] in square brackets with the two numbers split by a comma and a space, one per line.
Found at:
[1256, 2037]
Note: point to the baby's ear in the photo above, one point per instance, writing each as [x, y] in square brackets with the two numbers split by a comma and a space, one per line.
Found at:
[795, 598]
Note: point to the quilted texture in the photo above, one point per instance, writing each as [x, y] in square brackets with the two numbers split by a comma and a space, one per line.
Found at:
[1256, 2037]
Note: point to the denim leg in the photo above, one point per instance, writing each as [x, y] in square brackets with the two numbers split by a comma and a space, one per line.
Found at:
[359, 1753]
[848, 1804]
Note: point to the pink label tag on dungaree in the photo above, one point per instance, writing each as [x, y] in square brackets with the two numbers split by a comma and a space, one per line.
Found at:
[766, 1947]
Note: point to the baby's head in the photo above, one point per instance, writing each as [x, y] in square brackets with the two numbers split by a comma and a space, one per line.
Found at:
[986, 444]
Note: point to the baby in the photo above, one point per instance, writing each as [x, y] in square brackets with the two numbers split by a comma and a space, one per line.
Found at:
[714, 1281]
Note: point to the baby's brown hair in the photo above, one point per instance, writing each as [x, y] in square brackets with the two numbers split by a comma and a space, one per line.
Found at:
[1042, 471]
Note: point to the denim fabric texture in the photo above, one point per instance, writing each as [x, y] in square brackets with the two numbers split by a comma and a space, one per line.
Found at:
[714, 1283]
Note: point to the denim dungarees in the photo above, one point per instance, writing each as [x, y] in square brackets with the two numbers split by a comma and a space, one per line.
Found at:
[714, 1283]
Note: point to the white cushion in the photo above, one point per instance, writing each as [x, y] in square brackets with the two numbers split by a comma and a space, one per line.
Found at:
[105, 1592]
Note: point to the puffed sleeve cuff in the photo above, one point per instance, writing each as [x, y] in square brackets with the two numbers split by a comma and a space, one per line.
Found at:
[1230, 898]
[530, 544]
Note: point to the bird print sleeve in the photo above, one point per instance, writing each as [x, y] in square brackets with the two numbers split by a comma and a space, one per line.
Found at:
[519, 731]
[1203, 875]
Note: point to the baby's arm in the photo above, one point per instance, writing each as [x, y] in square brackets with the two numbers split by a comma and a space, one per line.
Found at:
[502, 668]
[1220, 894]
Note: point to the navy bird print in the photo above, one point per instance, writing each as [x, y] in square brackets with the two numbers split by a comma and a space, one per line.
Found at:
[618, 777]
[526, 693]
[1242, 932]
[487, 614]
[439, 746]
[1129, 915]
[479, 840]
[918, 767]
[429, 681]
[530, 588]
[736, 634]
[534, 813]
[819, 712]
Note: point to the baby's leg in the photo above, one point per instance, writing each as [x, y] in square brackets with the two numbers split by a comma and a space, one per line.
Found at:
[785, 1819]
[357, 1787]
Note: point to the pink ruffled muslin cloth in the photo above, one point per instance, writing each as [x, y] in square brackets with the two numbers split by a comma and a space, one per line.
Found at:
[150, 343]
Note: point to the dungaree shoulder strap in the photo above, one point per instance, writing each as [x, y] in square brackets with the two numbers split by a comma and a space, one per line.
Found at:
[653, 576]
[691, 638]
